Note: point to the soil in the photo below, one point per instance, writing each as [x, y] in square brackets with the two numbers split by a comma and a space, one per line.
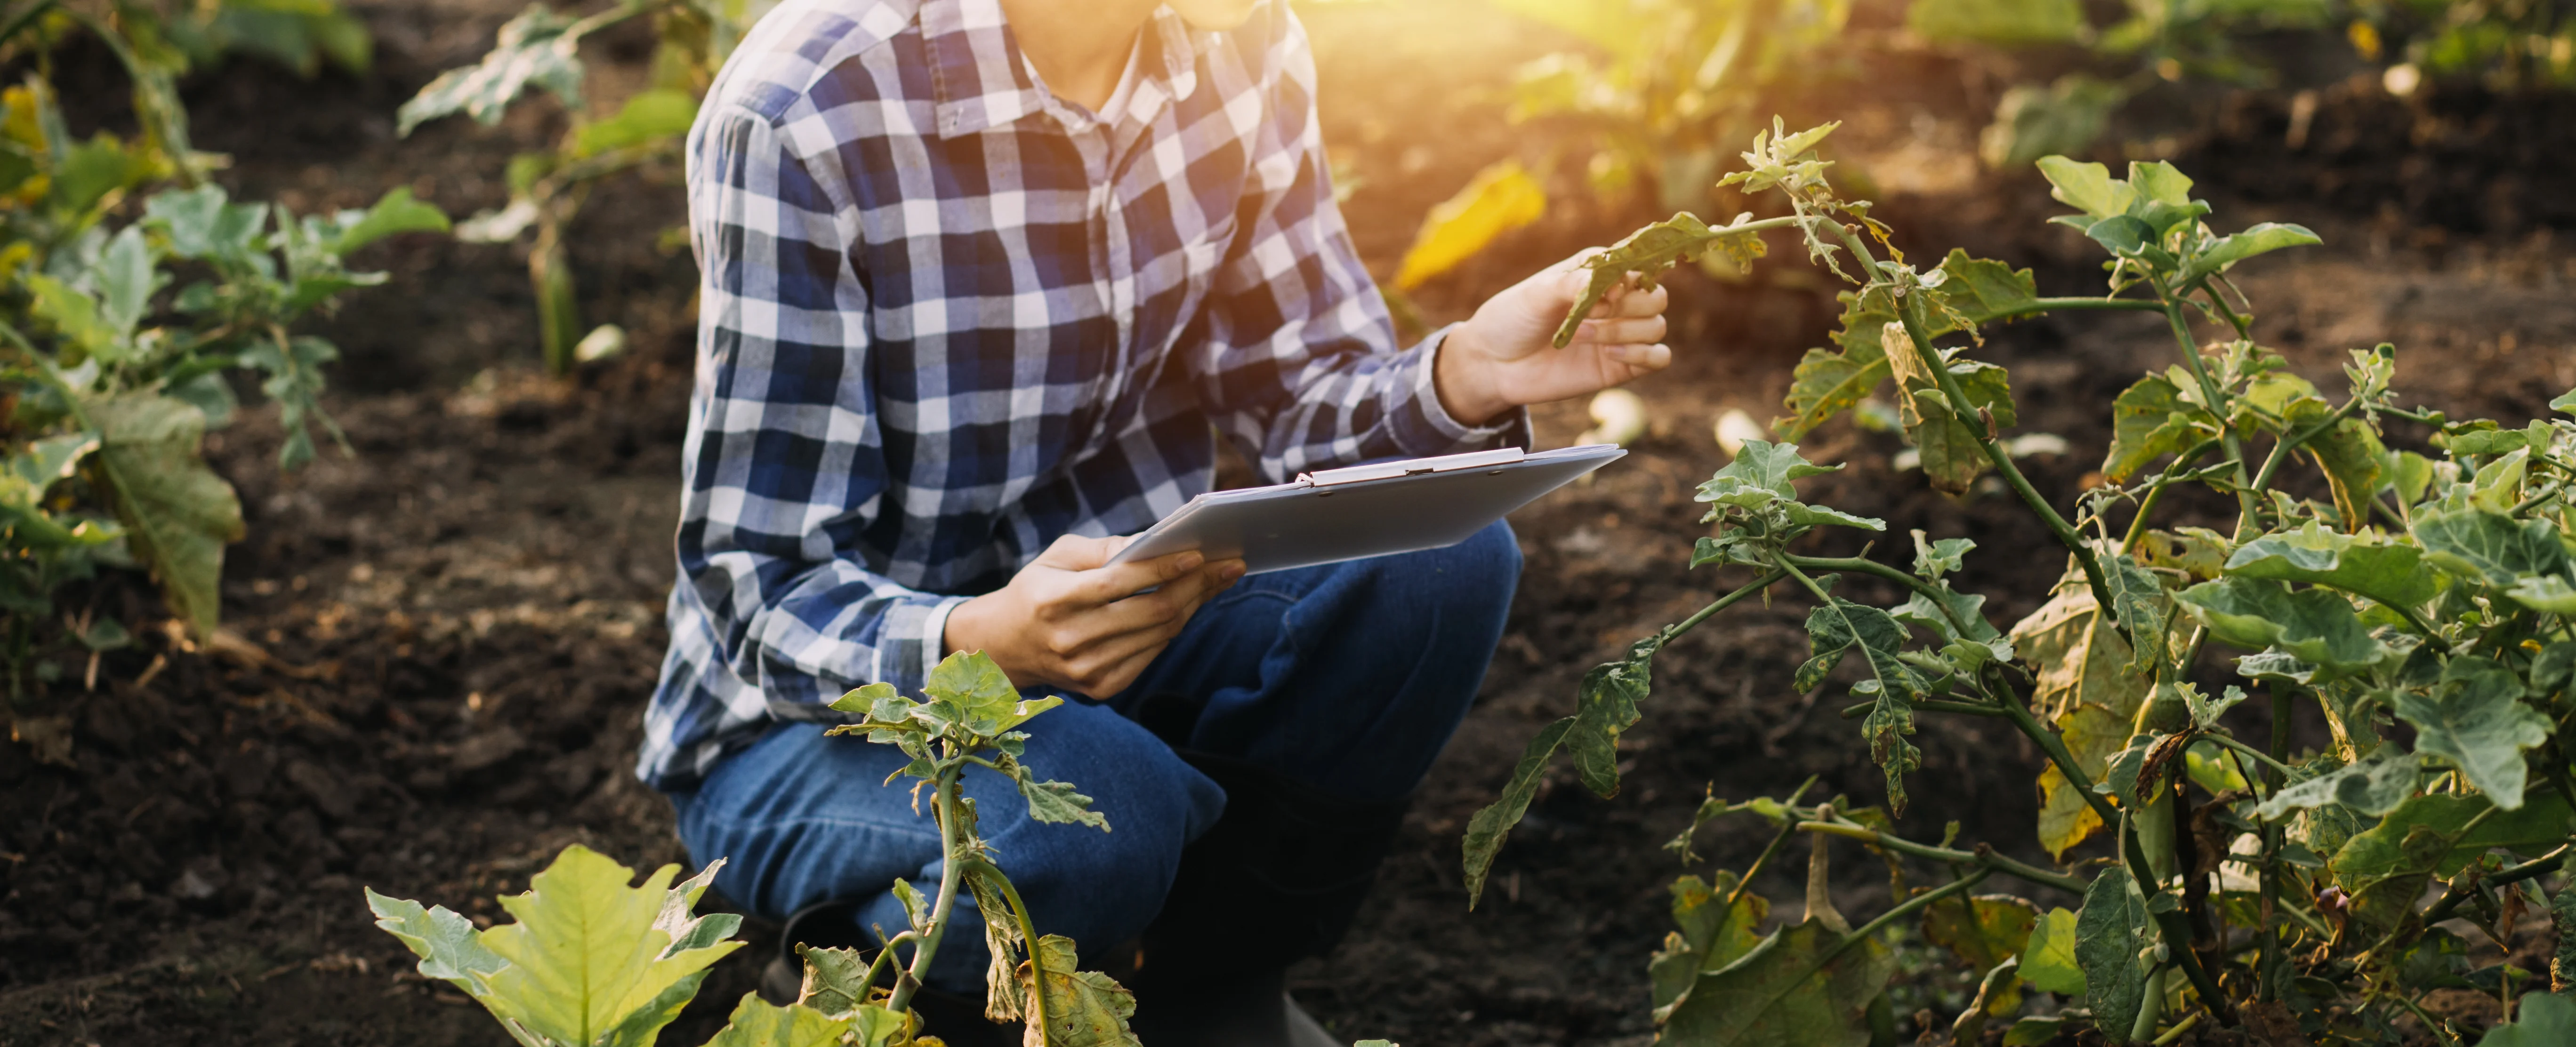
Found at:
[447, 640]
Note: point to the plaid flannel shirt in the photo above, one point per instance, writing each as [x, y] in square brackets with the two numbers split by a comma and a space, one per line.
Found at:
[946, 317]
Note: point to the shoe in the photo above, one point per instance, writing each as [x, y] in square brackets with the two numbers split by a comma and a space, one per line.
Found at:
[956, 1020]
[1276, 880]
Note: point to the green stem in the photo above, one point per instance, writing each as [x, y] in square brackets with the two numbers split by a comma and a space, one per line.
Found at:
[1778, 840]
[2211, 394]
[2268, 762]
[2537, 867]
[1913, 905]
[2268, 873]
[1983, 856]
[1909, 311]
[1867, 566]
[1930, 705]
[2547, 492]
[2156, 492]
[2055, 747]
[949, 877]
[1720, 604]
[2037, 306]
[2174, 1035]
[18, 23]
[1028, 936]
[2288, 445]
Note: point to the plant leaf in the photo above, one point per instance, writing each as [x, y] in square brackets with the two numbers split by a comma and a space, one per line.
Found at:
[2490, 547]
[835, 979]
[398, 212]
[2048, 958]
[178, 514]
[1058, 802]
[2315, 625]
[1759, 476]
[1829, 382]
[586, 961]
[2546, 1020]
[1083, 1008]
[2389, 572]
[1648, 252]
[2087, 188]
[2476, 720]
[533, 48]
[756, 1023]
[449, 947]
[1834, 629]
[648, 115]
[1800, 987]
[2229, 250]
[1499, 199]
[1712, 935]
[2150, 420]
[2373, 787]
[2111, 931]
[1982, 931]
[1485, 831]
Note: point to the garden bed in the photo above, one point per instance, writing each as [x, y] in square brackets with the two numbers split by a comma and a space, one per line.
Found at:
[452, 634]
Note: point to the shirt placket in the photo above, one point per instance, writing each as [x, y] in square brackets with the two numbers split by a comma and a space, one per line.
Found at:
[1113, 251]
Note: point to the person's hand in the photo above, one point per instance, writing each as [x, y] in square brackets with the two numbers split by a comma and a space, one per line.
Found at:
[1503, 358]
[1068, 620]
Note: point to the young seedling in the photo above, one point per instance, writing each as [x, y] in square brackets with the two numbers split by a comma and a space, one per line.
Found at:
[2245, 885]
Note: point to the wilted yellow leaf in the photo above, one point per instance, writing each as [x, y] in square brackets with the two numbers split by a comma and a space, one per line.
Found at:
[1502, 198]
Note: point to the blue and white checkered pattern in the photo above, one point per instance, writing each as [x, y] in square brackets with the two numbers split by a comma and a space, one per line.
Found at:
[947, 317]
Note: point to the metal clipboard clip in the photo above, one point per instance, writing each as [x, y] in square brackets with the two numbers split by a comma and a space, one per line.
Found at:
[1411, 467]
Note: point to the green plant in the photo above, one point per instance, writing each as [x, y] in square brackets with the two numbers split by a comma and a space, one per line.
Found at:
[541, 49]
[595, 962]
[110, 376]
[2508, 44]
[2245, 884]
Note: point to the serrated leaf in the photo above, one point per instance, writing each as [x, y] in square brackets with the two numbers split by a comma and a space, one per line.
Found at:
[2150, 420]
[1712, 935]
[1833, 630]
[586, 962]
[1979, 290]
[1083, 1008]
[449, 947]
[1487, 829]
[1829, 382]
[2351, 456]
[985, 702]
[178, 513]
[2111, 931]
[2138, 601]
[1800, 987]
[835, 980]
[2264, 238]
[2314, 625]
[1648, 252]
[1760, 475]
[1606, 706]
[2476, 719]
[757, 1023]
[1499, 199]
[2387, 571]
[2048, 958]
[2490, 547]
[2374, 787]
[1058, 802]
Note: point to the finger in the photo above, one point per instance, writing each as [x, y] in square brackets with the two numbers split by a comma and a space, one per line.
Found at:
[1074, 552]
[1632, 300]
[1642, 330]
[1637, 359]
[1174, 602]
[1109, 583]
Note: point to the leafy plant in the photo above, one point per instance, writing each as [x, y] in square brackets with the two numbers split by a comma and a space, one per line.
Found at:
[2508, 44]
[540, 50]
[593, 961]
[2245, 884]
[111, 376]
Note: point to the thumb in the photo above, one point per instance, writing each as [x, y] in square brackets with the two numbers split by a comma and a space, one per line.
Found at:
[1074, 552]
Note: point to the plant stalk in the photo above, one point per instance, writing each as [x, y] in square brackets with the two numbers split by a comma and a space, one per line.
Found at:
[1984, 857]
[950, 875]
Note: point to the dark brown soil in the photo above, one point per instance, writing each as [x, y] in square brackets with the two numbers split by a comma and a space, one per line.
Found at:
[457, 629]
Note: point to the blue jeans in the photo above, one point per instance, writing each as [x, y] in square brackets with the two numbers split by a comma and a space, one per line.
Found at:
[1347, 677]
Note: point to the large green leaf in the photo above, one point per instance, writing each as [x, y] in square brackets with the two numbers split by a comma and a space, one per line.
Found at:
[2475, 718]
[1976, 290]
[2373, 786]
[2390, 572]
[2315, 625]
[1760, 475]
[2546, 1020]
[2088, 188]
[649, 116]
[533, 48]
[589, 959]
[1831, 381]
[1833, 630]
[2048, 958]
[2111, 934]
[1485, 831]
[2490, 547]
[2384, 871]
[756, 1023]
[178, 514]
[2535, 828]
[1804, 986]
[398, 212]
[2150, 420]
[1712, 935]
[1083, 1008]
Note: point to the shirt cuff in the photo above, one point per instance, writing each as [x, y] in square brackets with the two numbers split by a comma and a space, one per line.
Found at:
[1423, 427]
[934, 635]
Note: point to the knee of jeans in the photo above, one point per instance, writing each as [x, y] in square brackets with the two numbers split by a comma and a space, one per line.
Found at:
[1480, 574]
[1109, 884]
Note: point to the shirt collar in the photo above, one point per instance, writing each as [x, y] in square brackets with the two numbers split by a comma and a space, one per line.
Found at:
[981, 82]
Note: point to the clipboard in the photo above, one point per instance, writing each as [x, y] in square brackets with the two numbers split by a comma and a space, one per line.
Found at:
[1365, 510]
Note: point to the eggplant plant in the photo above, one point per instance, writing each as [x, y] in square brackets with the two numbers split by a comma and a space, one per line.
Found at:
[541, 50]
[130, 286]
[2419, 605]
[594, 962]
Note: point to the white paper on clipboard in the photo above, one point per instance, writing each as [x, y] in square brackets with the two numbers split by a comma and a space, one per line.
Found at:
[1365, 510]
